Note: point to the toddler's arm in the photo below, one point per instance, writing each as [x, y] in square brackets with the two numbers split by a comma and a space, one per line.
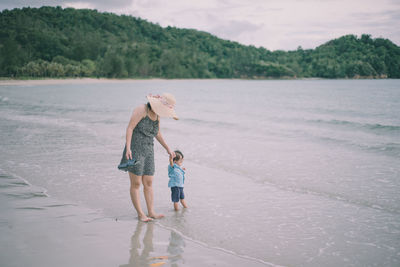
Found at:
[171, 161]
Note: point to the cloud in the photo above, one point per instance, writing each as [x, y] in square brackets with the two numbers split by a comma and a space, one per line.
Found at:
[11, 4]
[103, 5]
[384, 23]
[231, 29]
[274, 24]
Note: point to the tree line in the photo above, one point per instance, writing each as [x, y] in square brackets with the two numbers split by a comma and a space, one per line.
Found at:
[57, 42]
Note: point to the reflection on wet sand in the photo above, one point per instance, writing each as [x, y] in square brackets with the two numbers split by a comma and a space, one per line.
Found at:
[139, 256]
[144, 253]
[175, 248]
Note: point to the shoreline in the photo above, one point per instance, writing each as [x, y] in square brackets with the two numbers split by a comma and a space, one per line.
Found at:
[49, 81]
[40, 230]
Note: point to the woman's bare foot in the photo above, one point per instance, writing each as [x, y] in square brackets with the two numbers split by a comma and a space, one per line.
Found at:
[144, 218]
[156, 216]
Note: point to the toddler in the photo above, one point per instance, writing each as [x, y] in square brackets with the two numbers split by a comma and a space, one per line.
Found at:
[176, 174]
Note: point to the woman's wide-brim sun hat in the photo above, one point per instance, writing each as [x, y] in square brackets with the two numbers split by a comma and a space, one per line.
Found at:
[164, 105]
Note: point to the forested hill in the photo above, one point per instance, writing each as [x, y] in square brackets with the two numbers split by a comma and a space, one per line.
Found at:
[57, 42]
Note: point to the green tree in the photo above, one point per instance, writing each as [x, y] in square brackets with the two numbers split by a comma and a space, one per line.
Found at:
[57, 42]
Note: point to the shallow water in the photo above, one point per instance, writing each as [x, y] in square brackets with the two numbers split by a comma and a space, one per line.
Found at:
[294, 173]
[39, 230]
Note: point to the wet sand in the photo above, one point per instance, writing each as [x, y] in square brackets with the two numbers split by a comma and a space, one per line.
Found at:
[38, 230]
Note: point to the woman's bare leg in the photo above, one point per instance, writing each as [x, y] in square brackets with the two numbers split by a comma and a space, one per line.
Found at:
[135, 195]
[149, 196]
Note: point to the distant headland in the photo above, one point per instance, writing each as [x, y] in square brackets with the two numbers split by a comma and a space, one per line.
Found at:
[52, 42]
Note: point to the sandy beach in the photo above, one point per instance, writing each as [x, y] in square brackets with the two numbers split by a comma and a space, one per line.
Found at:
[38, 230]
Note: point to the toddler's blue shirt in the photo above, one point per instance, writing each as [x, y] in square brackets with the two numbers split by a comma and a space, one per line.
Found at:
[176, 176]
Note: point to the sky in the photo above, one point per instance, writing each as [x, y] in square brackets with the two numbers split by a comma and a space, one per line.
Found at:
[273, 24]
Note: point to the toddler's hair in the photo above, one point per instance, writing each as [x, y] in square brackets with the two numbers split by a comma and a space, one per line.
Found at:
[178, 155]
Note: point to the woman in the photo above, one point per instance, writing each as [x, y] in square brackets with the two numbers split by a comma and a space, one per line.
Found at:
[143, 126]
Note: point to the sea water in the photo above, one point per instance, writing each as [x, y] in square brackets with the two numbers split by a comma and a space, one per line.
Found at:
[292, 173]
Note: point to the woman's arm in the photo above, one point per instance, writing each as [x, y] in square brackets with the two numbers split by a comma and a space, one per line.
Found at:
[137, 114]
[160, 139]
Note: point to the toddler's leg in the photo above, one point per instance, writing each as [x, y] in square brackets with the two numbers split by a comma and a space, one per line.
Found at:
[183, 202]
[182, 197]
[175, 197]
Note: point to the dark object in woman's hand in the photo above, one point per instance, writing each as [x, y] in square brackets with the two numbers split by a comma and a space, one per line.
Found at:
[126, 165]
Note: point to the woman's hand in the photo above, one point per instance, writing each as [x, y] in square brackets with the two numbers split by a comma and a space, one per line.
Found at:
[128, 154]
[171, 154]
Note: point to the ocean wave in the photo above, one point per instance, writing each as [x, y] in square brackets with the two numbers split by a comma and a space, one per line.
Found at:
[307, 190]
[48, 108]
[26, 191]
[210, 123]
[26, 195]
[339, 197]
[377, 127]
[13, 184]
[49, 121]
[30, 208]
[388, 149]
[391, 149]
